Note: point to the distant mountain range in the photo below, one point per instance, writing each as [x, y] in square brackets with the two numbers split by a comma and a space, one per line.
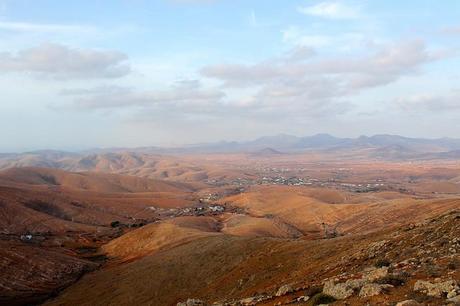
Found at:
[391, 147]
[384, 144]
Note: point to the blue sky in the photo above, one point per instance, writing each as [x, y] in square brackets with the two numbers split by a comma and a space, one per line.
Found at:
[82, 74]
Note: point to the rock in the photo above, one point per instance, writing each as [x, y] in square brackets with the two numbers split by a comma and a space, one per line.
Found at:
[437, 289]
[455, 300]
[285, 289]
[408, 303]
[192, 302]
[452, 294]
[302, 298]
[356, 284]
[376, 247]
[369, 290]
[251, 300]
[248, 301]
[376, 274]
[338, 291]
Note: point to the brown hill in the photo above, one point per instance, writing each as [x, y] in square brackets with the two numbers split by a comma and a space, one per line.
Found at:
[88, 181]
[247, 226]
[317, 211]
[30, 273]
[42, 200]
[224, 268]
[151, 239]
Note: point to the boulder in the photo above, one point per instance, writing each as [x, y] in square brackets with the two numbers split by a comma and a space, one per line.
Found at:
[251, 300]
[302, 298]
[438, 289]
[376, 274]
[408, 303]
[285, 289]
[192, 302]
[356, 283]
[455, 300]
[452, 294]
[369, 290]
[338, 291]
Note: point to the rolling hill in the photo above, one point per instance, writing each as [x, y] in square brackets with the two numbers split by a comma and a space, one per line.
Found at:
[228, 269]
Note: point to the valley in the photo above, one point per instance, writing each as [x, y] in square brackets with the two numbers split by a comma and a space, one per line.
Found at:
[147, 229]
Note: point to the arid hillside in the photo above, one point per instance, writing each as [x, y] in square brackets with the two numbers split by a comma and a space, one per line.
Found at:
[317, 213]
[221, 228]
[384, 265]
[40, 199]
[53, 222]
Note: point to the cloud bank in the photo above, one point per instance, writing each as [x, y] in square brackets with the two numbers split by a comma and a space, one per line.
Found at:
[62, 63]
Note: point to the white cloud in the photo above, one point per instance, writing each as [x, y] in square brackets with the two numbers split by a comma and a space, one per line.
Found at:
[100, 90]
[300, 53]
[430, 102]
[344, 42]
[454, 30]
[313, 85]
[294, 35]
[386, 65]
[37, 27]
[183, 94]
[62, 62]
[193, 1]
[332, 10]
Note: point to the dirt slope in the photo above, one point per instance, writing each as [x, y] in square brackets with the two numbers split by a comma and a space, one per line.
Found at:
[223, 268]
[42, 200]
[313, 212]
[34, 272]
[151, 239]
[88, 181]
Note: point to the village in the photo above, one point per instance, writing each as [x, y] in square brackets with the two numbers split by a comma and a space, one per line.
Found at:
[243, 183]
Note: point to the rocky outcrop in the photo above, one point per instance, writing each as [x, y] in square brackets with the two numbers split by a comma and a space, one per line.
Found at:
[253, 300]
[376, 274]
[371, 289]
[302, 298]
[283, 290]
[365, 285]
[338, 291]
[448, 288]
[356, 284]
[408, 303]
[455, 300]
[376, 248]
[192, 302]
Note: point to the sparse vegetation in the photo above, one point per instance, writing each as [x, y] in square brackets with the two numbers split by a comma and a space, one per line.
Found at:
[392, 280]
[115, 224]
[197, 244]
[320, 298]
[453, 264]
[382, 263]
[312, 291]
[432, 270]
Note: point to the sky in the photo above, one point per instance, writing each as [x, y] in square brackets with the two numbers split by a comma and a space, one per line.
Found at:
[126, 73]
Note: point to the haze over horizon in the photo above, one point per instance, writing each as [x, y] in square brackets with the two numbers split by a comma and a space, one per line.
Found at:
[175, 72]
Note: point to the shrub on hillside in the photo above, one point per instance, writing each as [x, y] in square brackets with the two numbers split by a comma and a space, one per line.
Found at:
[382, 263]
[312, 291]
[115, 224]
[320, 298]
[392, 280]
